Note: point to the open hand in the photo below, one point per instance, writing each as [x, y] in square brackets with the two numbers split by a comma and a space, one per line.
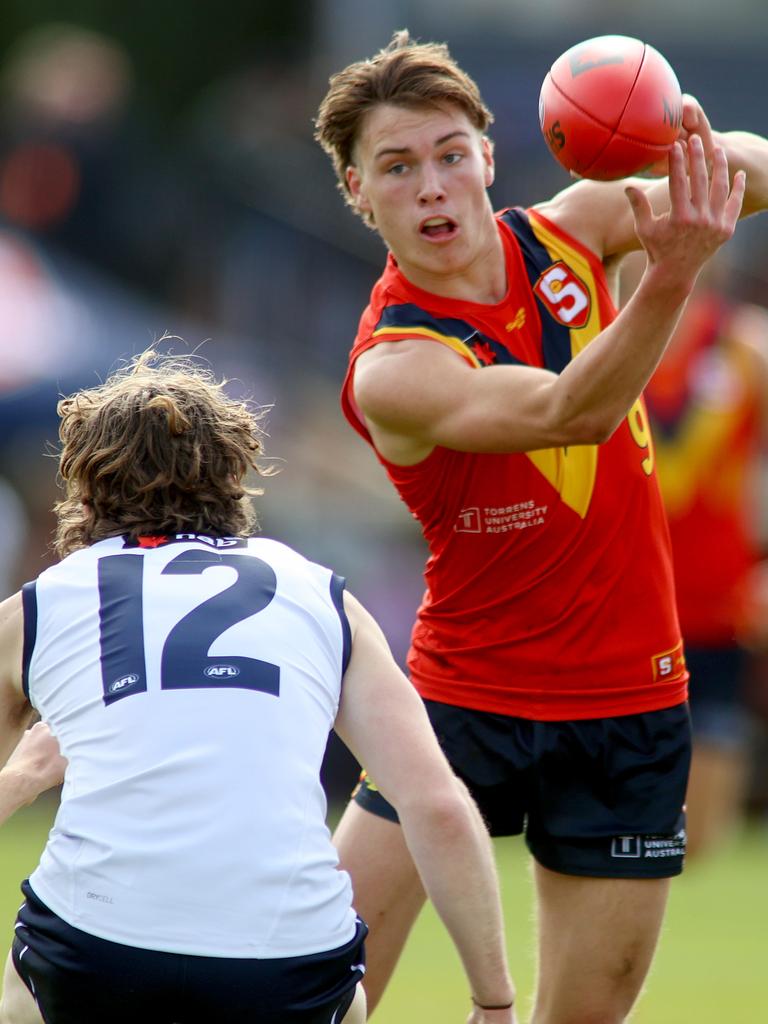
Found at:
[702, 215]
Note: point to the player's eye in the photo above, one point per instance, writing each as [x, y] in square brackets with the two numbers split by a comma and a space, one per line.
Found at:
[452, 158]
[397, 169]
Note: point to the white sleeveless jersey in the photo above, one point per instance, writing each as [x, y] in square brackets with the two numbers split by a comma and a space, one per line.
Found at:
[192, 687]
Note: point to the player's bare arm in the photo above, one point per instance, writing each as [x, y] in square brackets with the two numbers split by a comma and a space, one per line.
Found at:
[416, 395]
[14, 709]
[382, 720]
[30, 760]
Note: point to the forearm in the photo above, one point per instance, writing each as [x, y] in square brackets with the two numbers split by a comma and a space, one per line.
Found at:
[748, 152]
[596, 390]
[704, 207]
[16, 791]
[454, 856]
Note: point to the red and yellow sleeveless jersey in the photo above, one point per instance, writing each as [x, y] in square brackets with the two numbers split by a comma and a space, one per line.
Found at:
[549, 591]
[705, 411]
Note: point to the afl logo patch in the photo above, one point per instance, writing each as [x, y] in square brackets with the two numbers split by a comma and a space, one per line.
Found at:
[222, 671]
[123, 682]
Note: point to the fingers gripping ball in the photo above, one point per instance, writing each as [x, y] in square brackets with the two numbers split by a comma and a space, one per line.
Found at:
[610, 107]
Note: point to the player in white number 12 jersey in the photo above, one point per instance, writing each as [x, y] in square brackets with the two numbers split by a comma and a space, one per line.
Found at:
[191, 674]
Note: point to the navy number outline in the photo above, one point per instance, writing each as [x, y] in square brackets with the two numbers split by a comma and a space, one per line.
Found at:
[185, 663]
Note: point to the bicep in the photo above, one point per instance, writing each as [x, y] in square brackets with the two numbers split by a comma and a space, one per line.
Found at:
[427, 392]
[15, 710]
[381, 717]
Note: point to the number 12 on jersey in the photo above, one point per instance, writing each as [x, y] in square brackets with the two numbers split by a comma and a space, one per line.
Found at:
[185, 663]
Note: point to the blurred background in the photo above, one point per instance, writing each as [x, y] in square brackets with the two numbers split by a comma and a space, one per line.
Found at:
[158, 173]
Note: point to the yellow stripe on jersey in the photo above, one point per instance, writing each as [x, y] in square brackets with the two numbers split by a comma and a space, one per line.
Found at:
[424, 332]
[571, 471]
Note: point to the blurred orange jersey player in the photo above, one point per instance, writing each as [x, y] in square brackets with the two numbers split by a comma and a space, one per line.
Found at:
[708, 403]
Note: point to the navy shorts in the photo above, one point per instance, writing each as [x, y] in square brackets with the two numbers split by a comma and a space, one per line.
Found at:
[599, 797]
[718, 696]
[77, 978]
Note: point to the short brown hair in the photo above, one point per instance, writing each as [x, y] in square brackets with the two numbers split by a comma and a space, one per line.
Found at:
[159, 447]
[405, 73]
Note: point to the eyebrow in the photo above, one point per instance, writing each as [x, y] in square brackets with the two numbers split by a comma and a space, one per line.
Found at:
[399, 150]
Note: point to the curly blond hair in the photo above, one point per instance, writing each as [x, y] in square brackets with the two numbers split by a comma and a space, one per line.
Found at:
[159, 447]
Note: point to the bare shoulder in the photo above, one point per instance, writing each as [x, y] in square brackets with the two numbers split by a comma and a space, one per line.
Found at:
[359, 617]
[394, 357]
[11, 641]
[11, 613]
[402, 363]
[403, 388]
[598, 214]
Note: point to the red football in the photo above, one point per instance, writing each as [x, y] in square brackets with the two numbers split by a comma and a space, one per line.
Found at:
[610, 107]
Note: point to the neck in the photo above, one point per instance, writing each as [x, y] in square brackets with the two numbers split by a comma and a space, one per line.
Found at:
[483, 279]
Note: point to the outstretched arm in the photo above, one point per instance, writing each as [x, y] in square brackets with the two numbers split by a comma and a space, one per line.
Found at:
[383, 722]
[416, 395]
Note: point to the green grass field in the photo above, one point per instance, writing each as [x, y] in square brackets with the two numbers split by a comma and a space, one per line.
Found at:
[711, 968]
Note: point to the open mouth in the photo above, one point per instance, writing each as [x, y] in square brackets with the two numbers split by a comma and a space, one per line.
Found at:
[438, 228]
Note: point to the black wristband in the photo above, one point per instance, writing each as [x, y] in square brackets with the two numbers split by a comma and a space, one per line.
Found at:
[497, 1006]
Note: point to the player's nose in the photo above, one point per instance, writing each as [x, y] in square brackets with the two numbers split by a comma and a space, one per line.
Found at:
[430, 187]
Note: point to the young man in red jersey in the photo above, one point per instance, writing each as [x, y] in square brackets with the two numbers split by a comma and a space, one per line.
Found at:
[501, 394]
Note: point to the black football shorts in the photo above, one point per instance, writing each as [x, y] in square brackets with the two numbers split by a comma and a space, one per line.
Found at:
[600, 797]
[78, 978]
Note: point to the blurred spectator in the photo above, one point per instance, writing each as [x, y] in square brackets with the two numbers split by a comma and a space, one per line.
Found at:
[41, 325]
[13, 516]
[708, 405]
[64, 93]
[77, 166]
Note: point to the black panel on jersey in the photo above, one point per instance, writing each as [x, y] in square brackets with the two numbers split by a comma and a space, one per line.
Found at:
[486, 349]
[29, 606]
[337, 596]
[555, 337]
[407, 314]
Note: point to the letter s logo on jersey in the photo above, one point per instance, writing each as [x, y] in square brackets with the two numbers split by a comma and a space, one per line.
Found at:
[564, 294]
[668, 665]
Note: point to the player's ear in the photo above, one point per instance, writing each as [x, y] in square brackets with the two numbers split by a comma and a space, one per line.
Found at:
[356, 190]
[490, 167]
